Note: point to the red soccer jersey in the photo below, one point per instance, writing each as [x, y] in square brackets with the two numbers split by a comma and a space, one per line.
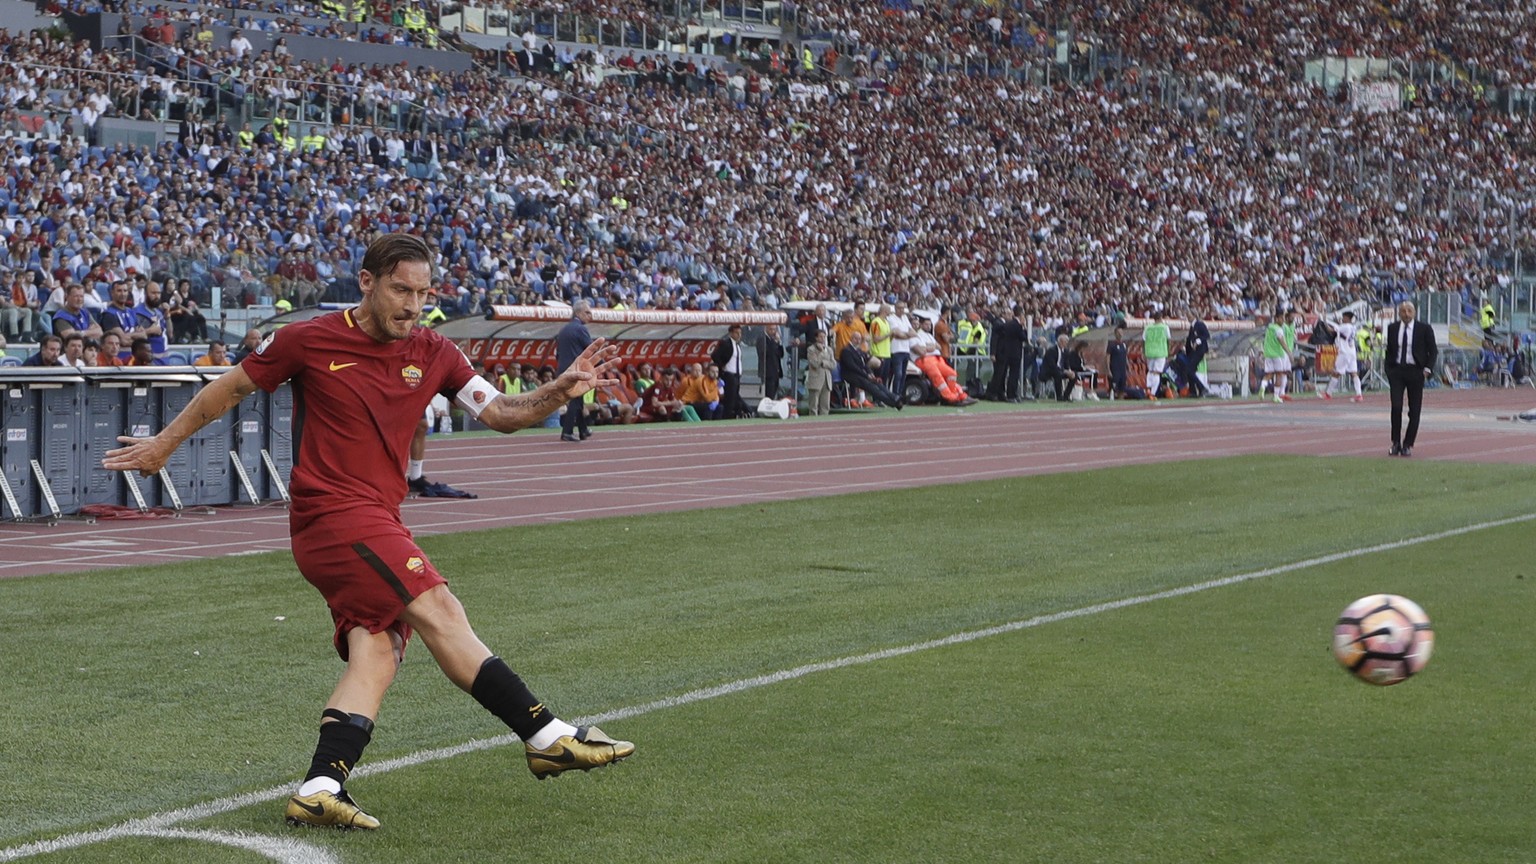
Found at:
[357, 403]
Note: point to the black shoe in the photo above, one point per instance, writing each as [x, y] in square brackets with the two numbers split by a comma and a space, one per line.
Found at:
[443, 490]
[565, 436]
[898, 405]
[1407, 451]
[1395, 451]
[585, 434]
[418, 486]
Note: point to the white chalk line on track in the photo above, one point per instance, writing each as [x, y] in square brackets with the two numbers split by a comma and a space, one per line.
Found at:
[281, 848]
[648, 441]
[987, 451]
[973, 442]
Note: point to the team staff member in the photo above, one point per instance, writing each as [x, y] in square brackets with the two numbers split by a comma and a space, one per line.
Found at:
[727, 356]
[570, 342]
[1411, 354]
[1195, 345]
[362, 376]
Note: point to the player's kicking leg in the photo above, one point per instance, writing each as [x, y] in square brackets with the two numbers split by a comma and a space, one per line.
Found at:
[551, 745]
[346, 727]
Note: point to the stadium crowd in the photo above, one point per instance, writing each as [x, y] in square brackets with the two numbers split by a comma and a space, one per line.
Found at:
[1243, 41]
[693, 186]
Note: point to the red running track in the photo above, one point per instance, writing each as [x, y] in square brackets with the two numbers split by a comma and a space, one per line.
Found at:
[532, 477]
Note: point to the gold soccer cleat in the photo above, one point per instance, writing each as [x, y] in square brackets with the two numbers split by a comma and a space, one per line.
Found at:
[327, 810]
[589, 748]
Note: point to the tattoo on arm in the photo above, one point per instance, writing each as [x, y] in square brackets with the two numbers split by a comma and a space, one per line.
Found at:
[542, 399]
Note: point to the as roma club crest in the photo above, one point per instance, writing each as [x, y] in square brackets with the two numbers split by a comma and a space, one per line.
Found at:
[412, 376]
[415, 564]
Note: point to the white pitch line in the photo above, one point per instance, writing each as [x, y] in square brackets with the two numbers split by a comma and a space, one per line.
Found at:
[168, 819]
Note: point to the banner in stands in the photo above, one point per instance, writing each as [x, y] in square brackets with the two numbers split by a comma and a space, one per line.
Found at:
[1375, 96]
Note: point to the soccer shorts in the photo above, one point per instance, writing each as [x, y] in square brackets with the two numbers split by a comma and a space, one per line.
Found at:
[1156, 365]
[1277, 364]
[368, 577]
[1345, 364]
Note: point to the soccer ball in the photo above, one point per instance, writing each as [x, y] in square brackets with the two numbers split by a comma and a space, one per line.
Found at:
[1383, 639]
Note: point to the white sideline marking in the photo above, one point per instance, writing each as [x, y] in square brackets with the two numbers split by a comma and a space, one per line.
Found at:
[162, 824]
[284, 850]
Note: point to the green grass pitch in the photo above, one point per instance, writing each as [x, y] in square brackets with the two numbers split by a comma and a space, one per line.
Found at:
[1208, 727]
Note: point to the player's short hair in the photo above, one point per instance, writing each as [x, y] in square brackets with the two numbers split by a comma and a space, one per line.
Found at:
[389, 250]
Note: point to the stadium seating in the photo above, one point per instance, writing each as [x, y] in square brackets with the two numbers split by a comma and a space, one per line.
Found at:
[1198, 179]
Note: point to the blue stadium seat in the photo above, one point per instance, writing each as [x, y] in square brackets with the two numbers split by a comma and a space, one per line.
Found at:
[8, 360]
[177, 358]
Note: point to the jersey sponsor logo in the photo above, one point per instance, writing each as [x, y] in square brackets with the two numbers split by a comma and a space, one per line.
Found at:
[415, 564]
[412, 376]
[262, 348]
[337, 367]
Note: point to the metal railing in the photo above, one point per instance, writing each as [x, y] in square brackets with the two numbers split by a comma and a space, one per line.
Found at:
[260, 99]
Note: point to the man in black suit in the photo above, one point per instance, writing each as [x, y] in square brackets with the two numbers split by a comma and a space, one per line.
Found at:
[1008, 338]
[573, 339]
[854, 365]
[1056, 366]
[1411, 354]
[1195, 345]
[770, 356]
[727, 355]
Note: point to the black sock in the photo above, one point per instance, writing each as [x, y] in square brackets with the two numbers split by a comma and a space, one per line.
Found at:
[341, 745]
[504, 694]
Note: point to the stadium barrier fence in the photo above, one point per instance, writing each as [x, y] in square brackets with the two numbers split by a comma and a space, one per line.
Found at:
[59, 422]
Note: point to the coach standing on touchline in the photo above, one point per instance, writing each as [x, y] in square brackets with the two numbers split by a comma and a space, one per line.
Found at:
[573, 339]
[1411, 354]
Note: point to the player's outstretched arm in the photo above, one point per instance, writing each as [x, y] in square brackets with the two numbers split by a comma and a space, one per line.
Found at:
[593, 369]
[148, 455]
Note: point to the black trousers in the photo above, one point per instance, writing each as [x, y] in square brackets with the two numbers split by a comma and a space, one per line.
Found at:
[1005, 376]
[1064, 387]
[732, 406]
[1192, 363]
[574, 416]
[1409, 381]
[874, 388]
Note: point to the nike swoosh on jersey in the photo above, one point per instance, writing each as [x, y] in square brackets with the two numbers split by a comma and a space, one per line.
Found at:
[337, 367]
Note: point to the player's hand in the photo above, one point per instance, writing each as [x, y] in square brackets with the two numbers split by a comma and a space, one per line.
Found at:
[144, 455]
[594, 368]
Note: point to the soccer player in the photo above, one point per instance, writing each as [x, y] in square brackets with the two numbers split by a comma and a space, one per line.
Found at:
[362, 377]
[1346, 363]
[1155, 349]
[1277, 357]
[416, 479]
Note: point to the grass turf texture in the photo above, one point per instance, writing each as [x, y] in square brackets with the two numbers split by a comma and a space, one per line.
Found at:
[1209, 727]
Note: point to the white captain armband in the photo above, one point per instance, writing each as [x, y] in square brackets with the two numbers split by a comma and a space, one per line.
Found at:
[475, 395]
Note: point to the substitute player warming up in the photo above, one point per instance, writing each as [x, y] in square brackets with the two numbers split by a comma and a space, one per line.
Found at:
[361, 378]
